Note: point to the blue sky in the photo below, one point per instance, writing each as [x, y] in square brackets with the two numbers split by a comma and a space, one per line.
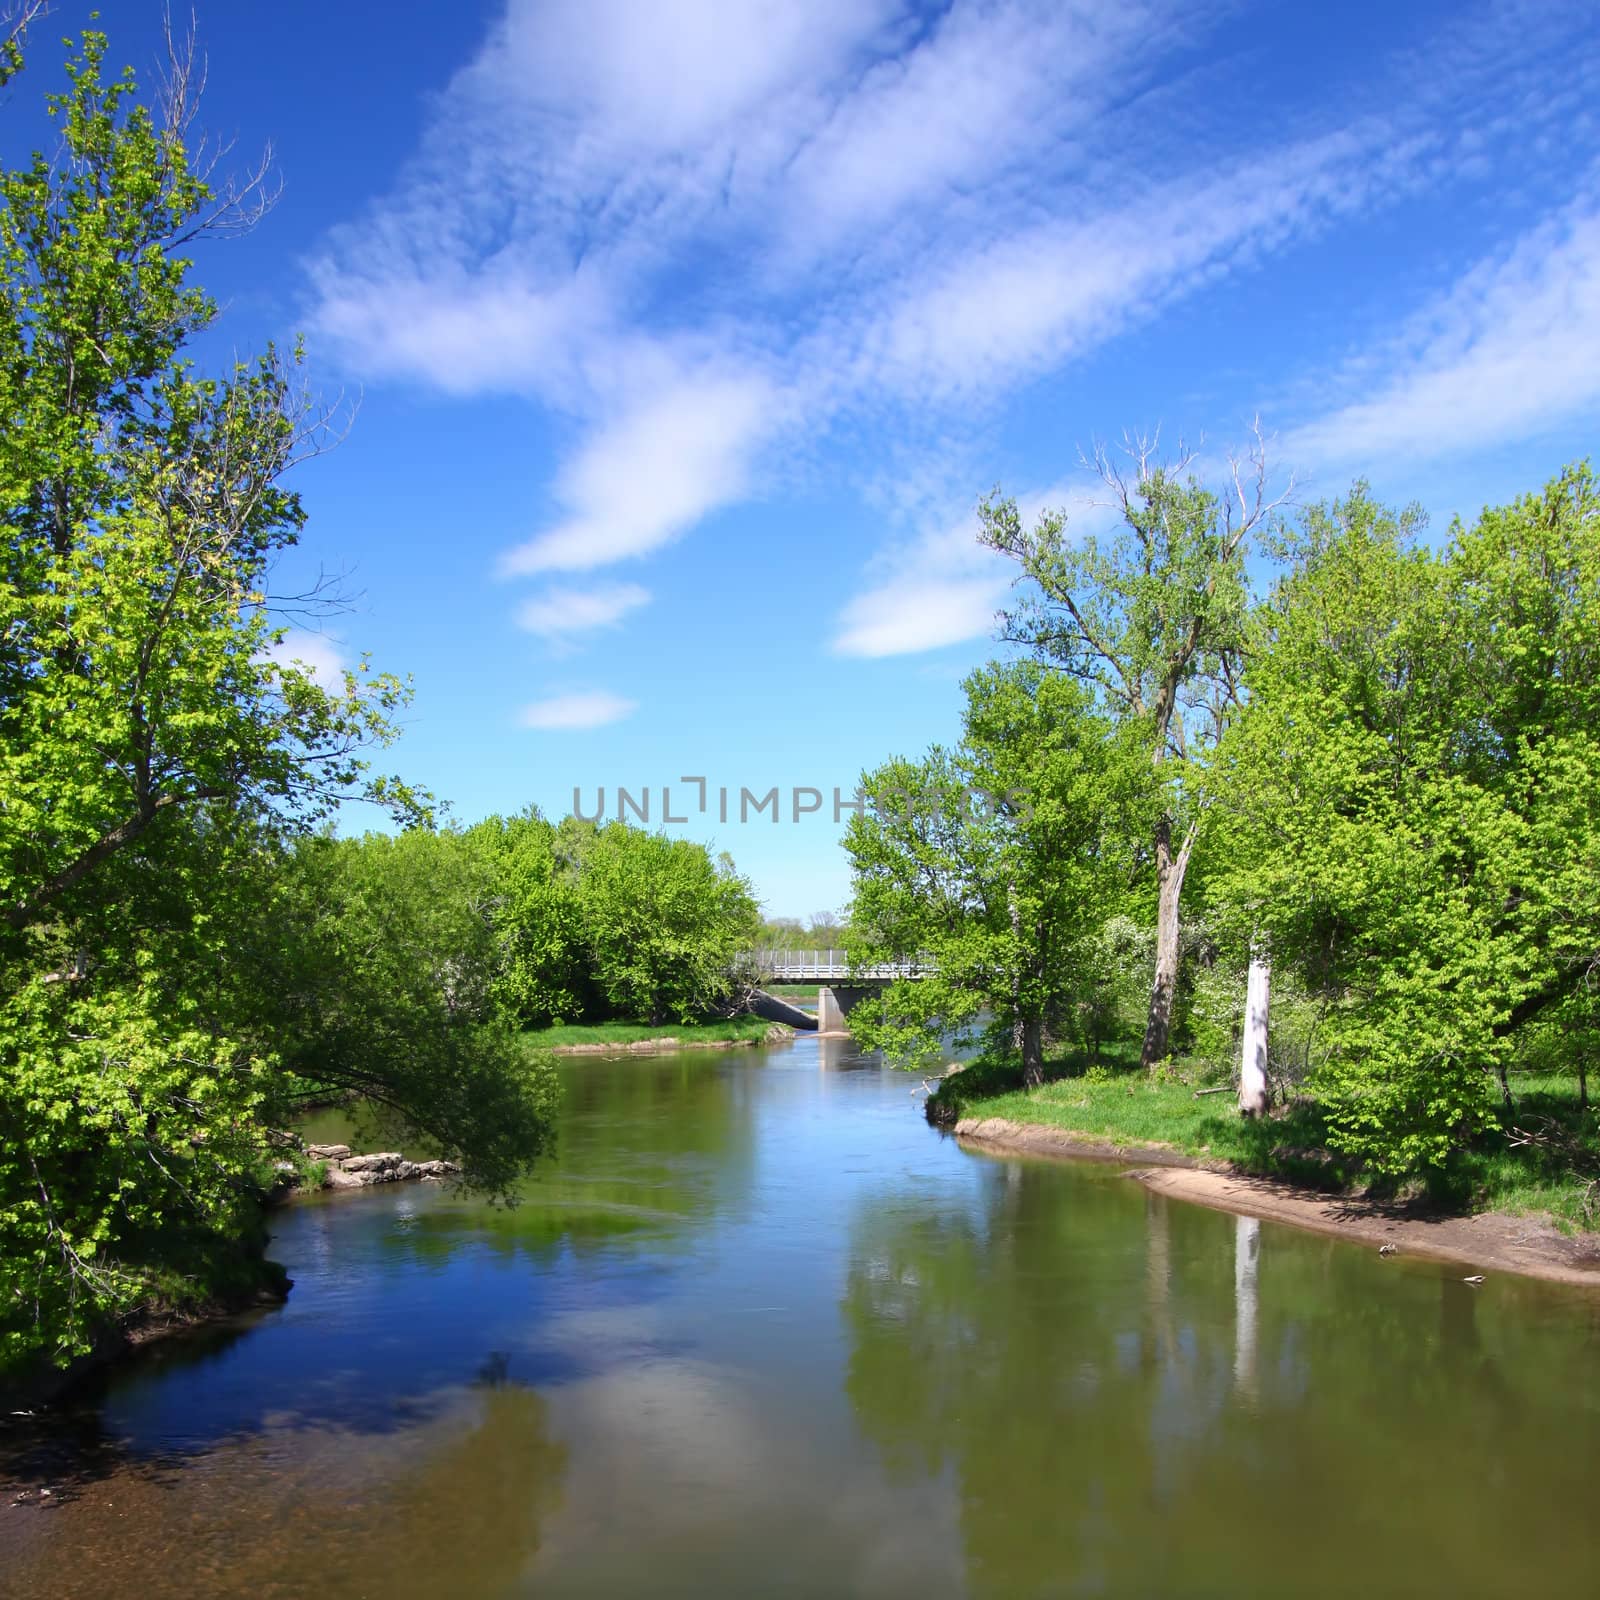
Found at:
[687, 333]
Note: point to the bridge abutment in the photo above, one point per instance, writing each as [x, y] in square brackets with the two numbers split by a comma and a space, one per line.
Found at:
[830, 1014]
[835, 1002]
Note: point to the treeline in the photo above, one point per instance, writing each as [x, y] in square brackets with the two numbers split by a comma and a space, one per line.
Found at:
[1369, 784]
[187, 955]
[612, 922]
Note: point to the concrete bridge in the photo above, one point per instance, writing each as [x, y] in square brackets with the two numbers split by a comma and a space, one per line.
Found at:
[840, 987]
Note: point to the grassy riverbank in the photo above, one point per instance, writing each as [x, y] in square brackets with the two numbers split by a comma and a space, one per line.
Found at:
[718, 1033]
[1546, 1162]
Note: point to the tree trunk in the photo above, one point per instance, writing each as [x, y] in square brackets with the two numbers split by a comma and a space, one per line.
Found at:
[1031, 1044]
[1507, 1104]
[1255, 1093]
[1169, 880]
[1246, 1302]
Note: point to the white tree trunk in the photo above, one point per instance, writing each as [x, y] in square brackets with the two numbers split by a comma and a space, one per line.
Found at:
[1254, 1094]
[1246, 1260]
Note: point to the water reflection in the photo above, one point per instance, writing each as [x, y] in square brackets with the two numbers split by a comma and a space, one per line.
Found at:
[1138, 1397]
[284, 1512]
[648, 1145]
[760, 1330]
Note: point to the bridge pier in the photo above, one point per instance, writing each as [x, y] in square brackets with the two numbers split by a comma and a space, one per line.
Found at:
[830, 1014]
[835, 1002]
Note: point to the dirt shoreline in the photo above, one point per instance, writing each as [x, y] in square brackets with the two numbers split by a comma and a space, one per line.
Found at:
[1490, 1241]
[669, 1041]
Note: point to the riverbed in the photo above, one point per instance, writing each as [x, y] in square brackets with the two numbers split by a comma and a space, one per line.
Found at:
[758, 1329]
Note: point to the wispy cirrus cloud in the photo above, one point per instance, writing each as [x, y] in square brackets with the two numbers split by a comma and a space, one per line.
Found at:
[649, 475]
[589, 708]
[704, 234]
[945, 587]
[1509, 349]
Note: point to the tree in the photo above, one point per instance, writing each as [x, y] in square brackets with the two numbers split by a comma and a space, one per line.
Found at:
[1152, 623]
[546, 975]
[370, 967]
[993, 861]
[663, 922]
[156, 759]
[1413, 799]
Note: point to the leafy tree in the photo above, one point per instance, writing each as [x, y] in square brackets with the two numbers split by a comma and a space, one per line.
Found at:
[662, 922]
[371, 964]
[1000, 897]
[1414, 790]
[545, 974]
[155, 756]
[1151, 622]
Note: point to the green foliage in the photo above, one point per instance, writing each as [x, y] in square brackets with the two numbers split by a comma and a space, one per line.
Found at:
[1152, 621]
[1146, 619]
[1413, 804]
[371, 963]
[167, 976]
[614, 922]
[544, 976]
[663, 921]
[1001, 897]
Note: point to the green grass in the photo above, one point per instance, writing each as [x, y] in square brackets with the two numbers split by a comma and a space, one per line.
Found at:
[1557, 1173]
[721, 1030]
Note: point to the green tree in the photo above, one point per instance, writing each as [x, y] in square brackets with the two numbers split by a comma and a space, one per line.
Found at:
[663, 921]
[1152, 622]
[545, 974]
[1416, 812]
[155, 757]
[370, 966]
[993, 862]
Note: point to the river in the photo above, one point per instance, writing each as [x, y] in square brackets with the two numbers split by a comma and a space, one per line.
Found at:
[760, 1330]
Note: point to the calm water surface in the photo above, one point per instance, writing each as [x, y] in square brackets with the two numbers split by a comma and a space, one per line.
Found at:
[761, 1330]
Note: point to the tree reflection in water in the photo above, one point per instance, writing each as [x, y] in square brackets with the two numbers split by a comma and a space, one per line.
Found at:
[1136, 1396]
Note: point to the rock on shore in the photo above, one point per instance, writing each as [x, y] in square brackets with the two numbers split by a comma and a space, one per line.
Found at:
[344, 1169]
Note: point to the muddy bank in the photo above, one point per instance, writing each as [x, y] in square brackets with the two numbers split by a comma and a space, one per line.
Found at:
[669, 1041]
[1490, 1241]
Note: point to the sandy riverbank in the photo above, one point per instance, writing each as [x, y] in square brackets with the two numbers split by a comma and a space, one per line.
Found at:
[651, 1047]
[1490, 1241]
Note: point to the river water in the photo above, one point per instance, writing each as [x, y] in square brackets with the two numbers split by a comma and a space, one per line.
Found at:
[760, 1330]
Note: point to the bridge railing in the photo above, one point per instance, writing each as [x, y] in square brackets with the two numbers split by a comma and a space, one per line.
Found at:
[803, 966]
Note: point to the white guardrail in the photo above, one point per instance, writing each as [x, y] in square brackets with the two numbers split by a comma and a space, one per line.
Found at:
[804, 966]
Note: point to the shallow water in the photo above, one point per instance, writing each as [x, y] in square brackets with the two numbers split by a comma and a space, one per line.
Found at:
[761, 1330]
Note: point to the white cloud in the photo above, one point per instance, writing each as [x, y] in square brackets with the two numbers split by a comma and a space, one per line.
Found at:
[592, 708]
[911, 614]
[701, 234]
[988, 91]
[670, 75]
[464, 333]
[653, 473]
[946, 588]
[315, 653]
[560, 613]
[1039, 297]
[1510, 350]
